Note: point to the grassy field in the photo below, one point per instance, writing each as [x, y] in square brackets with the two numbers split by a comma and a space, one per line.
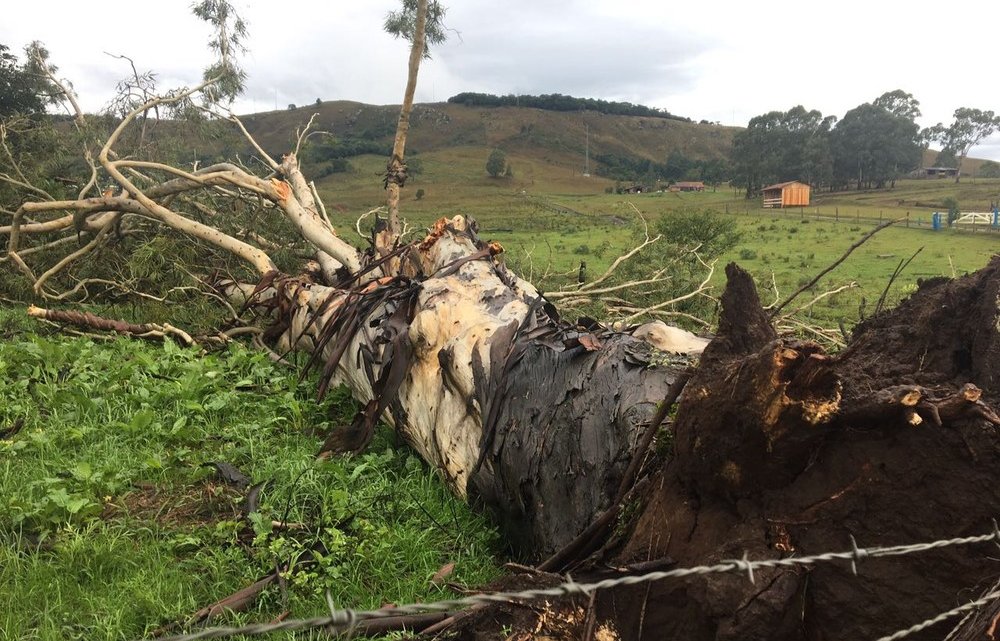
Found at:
[549, 218]
[114, 521]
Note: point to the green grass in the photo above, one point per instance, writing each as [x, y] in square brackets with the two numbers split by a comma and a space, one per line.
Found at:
[549, 218]
[111, 524]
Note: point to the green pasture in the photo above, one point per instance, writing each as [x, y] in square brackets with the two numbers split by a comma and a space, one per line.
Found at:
[550, 219]
[114, 523]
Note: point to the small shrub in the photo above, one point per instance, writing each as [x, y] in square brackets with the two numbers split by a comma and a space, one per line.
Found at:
[582, 250]
[748, 254]
[420, 194]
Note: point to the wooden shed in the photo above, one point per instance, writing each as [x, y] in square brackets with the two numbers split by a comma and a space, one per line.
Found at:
[687, 185]
[787, 194]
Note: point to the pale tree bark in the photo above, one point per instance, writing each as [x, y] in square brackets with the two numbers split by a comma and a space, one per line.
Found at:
[464, 359]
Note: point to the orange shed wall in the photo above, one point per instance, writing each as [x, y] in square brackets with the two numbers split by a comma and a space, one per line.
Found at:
[795, 196]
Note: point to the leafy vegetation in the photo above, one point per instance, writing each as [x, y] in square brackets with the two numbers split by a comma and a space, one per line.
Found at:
[560, 102]
[115, 522]
[677, 166]
[21, 91]
[873, 145]
[496, 163]
[966, 130]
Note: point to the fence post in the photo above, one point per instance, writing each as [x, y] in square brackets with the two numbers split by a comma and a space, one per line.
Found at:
[907, 219]
[838, 214]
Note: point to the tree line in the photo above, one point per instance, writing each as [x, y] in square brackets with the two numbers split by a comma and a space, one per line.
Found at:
[677, 166]
[872, 146]
[560, 102]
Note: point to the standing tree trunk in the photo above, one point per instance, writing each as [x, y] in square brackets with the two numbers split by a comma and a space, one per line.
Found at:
[395, 172]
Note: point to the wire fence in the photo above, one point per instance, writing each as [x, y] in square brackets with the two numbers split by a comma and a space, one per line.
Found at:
[345, 620]
[912, 219]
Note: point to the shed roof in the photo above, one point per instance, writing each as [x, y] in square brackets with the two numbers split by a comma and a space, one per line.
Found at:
[783, 185]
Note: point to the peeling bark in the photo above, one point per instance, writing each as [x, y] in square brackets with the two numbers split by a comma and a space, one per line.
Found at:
[531, 417]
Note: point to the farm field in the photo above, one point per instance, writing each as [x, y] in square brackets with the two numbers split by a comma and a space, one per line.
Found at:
[550, 218]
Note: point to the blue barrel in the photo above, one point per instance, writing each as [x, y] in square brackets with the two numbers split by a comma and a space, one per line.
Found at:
[936, 220]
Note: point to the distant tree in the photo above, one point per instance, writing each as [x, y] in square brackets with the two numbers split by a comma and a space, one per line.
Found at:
[989, 169]
[291, 106]
[877, 142]
[19, 90]
[420, 194]
[560, 102]
[777, 146]
[319, 101]
[496, 163]
[951, 204]
[967, 129]
[508, 171]
[946, 158]
[899, 104]
[715, 171]
[677, 166]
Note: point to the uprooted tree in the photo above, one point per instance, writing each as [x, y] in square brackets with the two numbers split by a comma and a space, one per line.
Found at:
[778, 448]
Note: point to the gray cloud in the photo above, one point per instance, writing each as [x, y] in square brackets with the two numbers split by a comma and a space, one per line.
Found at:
[566, 48]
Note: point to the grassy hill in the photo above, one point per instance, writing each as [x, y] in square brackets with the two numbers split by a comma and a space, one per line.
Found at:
[558, 138]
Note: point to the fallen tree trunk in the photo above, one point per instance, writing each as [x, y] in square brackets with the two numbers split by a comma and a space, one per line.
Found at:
[783, 450]
[533, 418]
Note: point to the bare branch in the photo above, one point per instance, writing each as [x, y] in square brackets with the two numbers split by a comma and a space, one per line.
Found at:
[271, 162]
[39, 284]
[89, 321]
[319, 204]
[850, 285]
[357, 223]
[303, 133]
[827, 270]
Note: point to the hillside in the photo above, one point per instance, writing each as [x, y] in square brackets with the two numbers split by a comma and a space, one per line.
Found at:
[559, 138]
[970, 166]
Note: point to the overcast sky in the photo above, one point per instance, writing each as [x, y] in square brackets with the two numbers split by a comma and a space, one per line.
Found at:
[721, 60]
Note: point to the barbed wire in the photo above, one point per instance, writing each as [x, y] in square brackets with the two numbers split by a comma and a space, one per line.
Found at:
[944, 616]
[347, 619]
